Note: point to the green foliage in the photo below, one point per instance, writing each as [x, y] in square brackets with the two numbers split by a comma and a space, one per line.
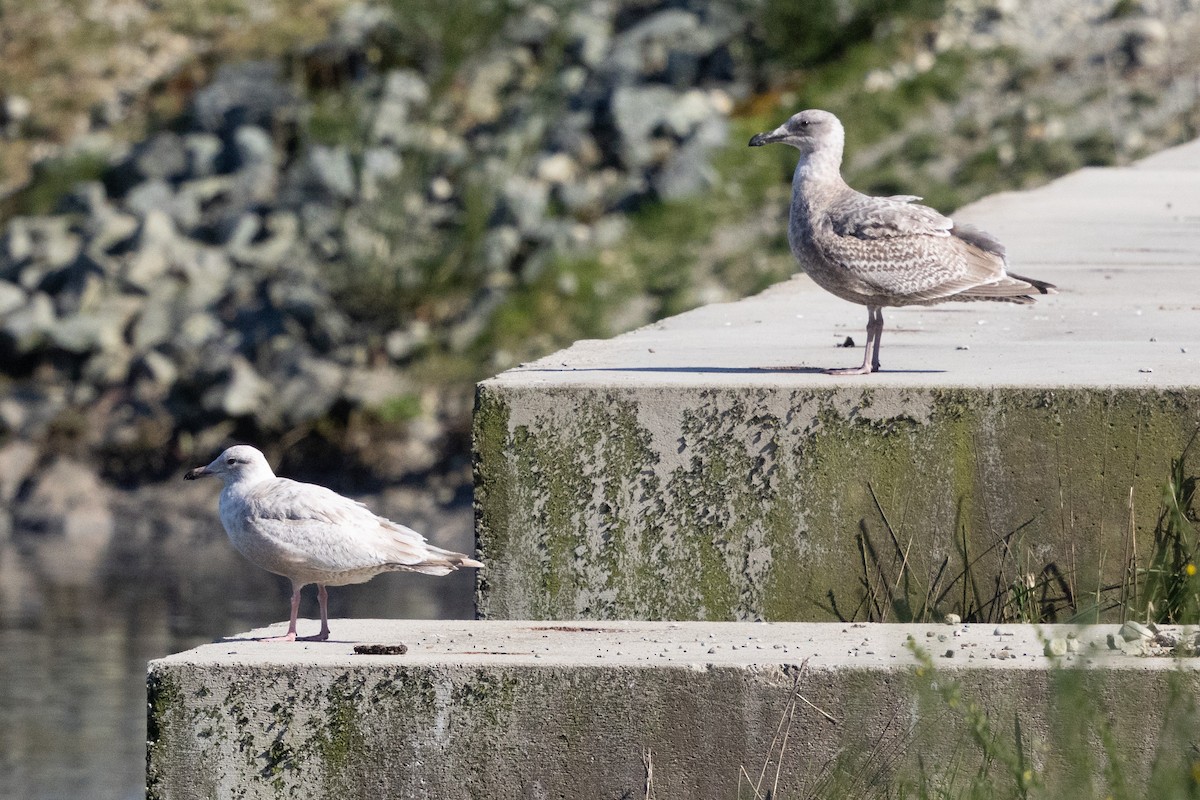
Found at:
[1014, 764]
[1172, 582]
[336, 118]
[1167, 591]
[440, 36]
[808, 33]
[570, 299]
[55, 178]
[398, 410]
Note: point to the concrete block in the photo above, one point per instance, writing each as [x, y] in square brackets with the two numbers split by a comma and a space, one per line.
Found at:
[704, 468]
[661, 710]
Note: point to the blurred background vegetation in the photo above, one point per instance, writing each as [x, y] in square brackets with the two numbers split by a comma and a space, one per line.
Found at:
[948, 100]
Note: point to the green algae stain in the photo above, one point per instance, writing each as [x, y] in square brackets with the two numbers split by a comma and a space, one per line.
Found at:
[163, 702]
[802, 505]
[341, 742]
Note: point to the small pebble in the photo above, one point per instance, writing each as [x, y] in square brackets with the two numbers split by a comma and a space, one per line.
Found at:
[1132, 631]
[953, 619]
[1056, 647]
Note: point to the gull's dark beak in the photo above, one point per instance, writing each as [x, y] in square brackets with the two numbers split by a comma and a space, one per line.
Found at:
[764, 138]
[198, 472]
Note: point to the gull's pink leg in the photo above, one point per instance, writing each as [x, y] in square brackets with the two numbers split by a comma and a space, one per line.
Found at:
[290, 636]
[878, 337]
[874, 328]
[323, 601]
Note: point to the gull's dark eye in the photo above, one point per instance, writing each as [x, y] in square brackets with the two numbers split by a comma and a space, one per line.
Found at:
[231, 461]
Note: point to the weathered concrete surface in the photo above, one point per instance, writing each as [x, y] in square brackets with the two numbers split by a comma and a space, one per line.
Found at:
[703, 468]
[547, 710]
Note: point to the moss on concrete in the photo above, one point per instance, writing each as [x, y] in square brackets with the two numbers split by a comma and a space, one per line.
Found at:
[814, 505]
[495, 729]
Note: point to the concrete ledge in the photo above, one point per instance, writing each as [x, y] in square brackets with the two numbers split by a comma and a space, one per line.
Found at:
[534, 709]
[703, 468]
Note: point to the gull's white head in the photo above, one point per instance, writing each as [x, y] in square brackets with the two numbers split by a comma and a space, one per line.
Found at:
[238, 463]
[808, 132]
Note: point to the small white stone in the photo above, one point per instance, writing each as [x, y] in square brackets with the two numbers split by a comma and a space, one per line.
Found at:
[1132, 631]
[1056, 647]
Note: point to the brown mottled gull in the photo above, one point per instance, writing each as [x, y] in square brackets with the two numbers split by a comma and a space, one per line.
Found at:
[882, 251]
[310, 534]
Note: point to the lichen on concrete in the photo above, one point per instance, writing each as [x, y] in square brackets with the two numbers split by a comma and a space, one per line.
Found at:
[521, 709]
[707, 503]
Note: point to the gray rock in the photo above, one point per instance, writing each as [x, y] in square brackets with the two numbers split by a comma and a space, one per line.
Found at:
[300, 301]
[161, 157]
[644, 49]
[14, 110]
[107, 230]
[12, 297]
[371, 388]
[403, 92]
[321, 227]
[310, 389]
[283, 232]
[354, 27]
[1134, 631]
[16, 246]
[637, 111]
[524, 201]
[403, 342]
[154, 246]
[105, 368]
[197, 283]
[1056, 648]
[17, 461]
[688, 172]
[88, 198]
[241, 392]
[500, 245]
[203, 154]
[153, 195]
[207, 271]
[26, 410]
[239, 230]
[88, 332]
[533, 27]
[196, 331]
[159, 317]
[1146, 44]
[26, 328]
[158, 195]
[209, 189]
[330, 171]
[689, 112]
[160, 369]
[55, 245]
[589, 35]
[248, 93]
[380, 166]
[253, 149]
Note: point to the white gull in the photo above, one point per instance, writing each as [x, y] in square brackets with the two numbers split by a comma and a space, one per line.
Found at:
[310, 534]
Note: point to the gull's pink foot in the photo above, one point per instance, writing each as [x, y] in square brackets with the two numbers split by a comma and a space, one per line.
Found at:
[863, 370]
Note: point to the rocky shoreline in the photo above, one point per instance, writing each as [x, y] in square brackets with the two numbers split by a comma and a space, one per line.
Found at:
[317, 255]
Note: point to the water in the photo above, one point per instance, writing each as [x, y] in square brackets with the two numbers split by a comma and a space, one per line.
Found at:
[73, 672]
